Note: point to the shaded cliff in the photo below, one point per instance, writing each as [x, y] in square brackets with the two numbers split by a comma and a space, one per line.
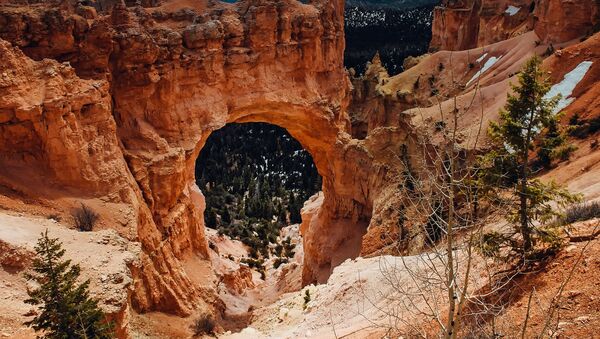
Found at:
[465, 24]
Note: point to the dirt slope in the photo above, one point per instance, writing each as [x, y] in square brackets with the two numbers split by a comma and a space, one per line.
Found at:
[105, 258]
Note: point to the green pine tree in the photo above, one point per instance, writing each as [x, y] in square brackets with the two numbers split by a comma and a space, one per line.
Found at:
[526, 116]
[282, 216]
[210, 219]
[226, 217]
[65, 307]
[553, 143]
[288, 248]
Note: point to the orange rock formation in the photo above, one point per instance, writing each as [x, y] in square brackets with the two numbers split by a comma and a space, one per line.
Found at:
[465, 24]
[125, 109]
[115, 103]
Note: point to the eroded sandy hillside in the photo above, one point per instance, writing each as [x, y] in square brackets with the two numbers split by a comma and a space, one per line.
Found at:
[109, 103]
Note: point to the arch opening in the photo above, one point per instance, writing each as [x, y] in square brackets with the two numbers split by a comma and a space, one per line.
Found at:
[255, 178]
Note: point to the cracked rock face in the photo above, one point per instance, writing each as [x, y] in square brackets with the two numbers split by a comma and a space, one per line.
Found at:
[116, 102]
[465, 24]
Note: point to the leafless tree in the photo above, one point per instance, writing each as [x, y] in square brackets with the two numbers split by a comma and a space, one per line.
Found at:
[442, 202]
[445, 207]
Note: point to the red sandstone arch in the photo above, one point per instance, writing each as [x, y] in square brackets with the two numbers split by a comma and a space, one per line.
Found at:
[147, 87]
[324, 139]
[319, 125]
[293, 78]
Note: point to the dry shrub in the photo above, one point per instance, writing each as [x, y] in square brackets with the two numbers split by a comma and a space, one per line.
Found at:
[204, 325]
[581, 212]
[85, 218]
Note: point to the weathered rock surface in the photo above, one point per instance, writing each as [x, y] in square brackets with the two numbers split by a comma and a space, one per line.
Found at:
[126, 119]
[238, 281]
[58, 122]
[466, 24]
[14, 258]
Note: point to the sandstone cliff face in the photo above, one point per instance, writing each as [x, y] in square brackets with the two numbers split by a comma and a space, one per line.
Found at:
[52, 119]
[455, 25]
[465, 24]
[160, 80]
[126, 118]
[560, 21]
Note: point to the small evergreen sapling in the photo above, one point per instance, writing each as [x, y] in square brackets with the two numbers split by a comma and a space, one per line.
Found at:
[527, 117]
[306, 299]
[65, 307]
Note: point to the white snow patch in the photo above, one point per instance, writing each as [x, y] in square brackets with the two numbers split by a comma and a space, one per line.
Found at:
[488, 64]
[481, 57]
[512, 10]
[566, 87]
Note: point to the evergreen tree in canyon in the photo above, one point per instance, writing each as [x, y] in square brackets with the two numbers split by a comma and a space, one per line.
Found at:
[527, 117]
[394, 29]
[65, 307]
[256, 178]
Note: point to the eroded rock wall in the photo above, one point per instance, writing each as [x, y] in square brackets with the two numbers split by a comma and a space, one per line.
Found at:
[144, 87]
[560, 21]
[466, 24]
[58, 122]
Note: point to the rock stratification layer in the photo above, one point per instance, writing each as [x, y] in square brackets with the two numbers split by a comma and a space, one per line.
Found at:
[124, 109]
[465, 24]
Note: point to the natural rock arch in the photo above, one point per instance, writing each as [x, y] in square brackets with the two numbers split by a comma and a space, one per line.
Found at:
[147, 87]
[325, 140]
[318, 123]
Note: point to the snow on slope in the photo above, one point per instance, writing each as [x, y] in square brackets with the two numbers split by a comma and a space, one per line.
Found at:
[512, 10]
[488, 64]
[481, 58]
[566, 87]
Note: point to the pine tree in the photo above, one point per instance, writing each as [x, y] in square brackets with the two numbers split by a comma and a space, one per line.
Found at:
[65, 307]
[226, 217]
[527, 114]
[294, 209]
[288, 247]
[552, 139]
[269, 209]
[211, 219]
[282, 216]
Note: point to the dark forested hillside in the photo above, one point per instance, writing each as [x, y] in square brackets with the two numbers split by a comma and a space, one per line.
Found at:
[397, 29]
[397, 4]
[256, 178]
